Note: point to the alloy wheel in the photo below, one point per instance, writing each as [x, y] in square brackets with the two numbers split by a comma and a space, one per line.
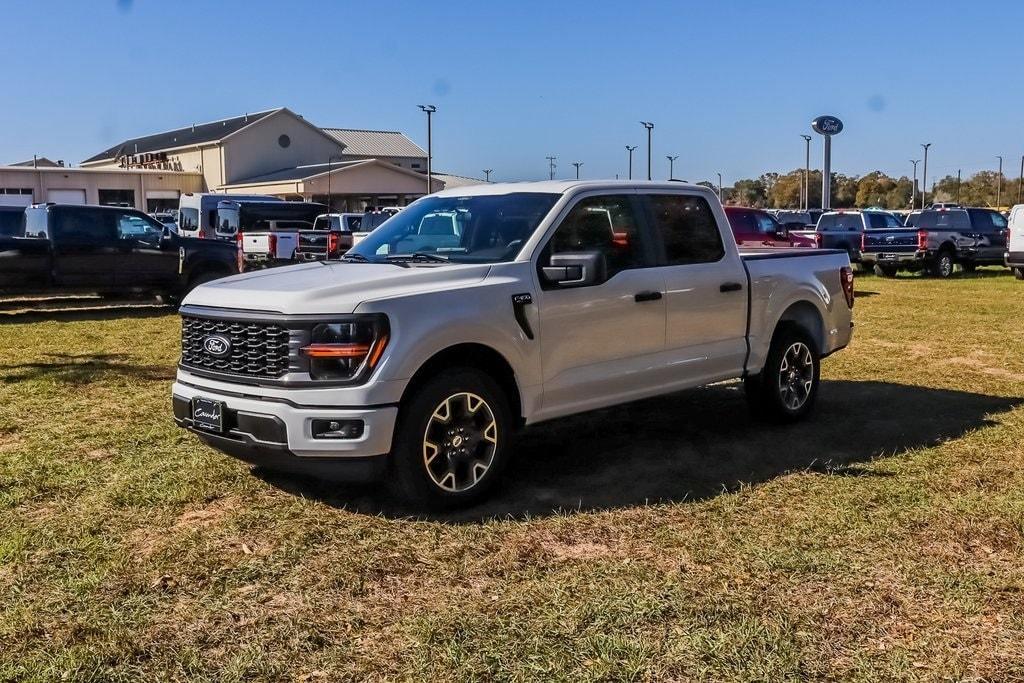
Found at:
[796, 375]
[460, 442]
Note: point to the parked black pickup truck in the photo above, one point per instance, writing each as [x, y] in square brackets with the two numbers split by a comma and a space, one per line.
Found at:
[107, 250]
[941, 239]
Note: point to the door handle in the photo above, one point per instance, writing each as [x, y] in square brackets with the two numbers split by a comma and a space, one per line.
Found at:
[730, 287]
[646, 296]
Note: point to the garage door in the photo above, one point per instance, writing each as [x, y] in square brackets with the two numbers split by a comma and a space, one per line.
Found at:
[66, 196]
[15, 200]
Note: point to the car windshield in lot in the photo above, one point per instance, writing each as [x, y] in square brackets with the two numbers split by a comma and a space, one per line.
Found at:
[473, 229]
[840, 221]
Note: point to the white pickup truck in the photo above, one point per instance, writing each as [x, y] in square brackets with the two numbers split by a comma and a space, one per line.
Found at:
[267, 232]
[417, 355]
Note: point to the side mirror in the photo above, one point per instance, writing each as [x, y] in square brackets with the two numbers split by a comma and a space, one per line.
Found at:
[576, 269]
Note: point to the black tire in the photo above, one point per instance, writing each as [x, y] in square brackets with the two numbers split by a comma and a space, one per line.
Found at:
[969, 267]
[1018, 273]
[787, 387]
[885, 271]
[942, 266]
[461, 477]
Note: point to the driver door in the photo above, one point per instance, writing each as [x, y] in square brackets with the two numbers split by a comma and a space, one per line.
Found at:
[600, 342]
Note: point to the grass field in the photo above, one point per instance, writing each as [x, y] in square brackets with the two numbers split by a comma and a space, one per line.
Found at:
[670, 539]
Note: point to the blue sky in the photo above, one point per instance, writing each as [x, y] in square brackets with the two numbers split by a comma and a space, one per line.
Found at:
[730, 86]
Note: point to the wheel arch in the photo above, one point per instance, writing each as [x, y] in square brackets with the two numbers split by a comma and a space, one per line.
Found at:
[806, 316]
[471, 355]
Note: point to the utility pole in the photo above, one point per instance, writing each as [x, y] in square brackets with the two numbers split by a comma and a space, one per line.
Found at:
[630, 150]
[957, 186]
[999, 182]
[807, 173]
[924, 174]
[551, 167]
[719, 188]
[487, 174]
[577, 164]
[671, 162]
[429, 109]
[913, 188]
[649, 126]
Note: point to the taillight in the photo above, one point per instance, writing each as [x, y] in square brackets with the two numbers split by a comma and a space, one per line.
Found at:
[818, 240]
[922, 239]
[846, 278]
[272, 244]
[332, 243]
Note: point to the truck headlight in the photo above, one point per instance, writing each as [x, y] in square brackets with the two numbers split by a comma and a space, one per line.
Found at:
[348, 349]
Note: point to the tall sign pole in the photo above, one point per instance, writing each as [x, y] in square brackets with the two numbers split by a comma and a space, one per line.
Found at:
[826, 127]
[806, 201]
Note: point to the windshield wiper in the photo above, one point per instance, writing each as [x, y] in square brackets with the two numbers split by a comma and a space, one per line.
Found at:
[359, 258]
[419, 256]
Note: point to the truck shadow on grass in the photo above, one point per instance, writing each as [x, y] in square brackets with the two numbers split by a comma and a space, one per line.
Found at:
[695, 445]
[118, 311]
[83, 369]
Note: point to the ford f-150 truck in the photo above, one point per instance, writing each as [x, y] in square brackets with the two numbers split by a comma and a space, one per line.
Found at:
[420, 352]
[941, 239]
[107, 250]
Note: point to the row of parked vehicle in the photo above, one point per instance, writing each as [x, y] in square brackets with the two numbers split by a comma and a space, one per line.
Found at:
[934, 240]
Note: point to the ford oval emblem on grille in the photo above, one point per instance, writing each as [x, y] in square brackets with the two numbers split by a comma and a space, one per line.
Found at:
[217, 345]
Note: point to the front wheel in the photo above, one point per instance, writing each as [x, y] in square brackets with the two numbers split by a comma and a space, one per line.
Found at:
[788, 384]
[452, 440]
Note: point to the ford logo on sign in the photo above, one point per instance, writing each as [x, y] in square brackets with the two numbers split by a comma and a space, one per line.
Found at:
[217, 345]
[827, 125]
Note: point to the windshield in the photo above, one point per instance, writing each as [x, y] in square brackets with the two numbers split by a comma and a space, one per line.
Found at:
[482, 229]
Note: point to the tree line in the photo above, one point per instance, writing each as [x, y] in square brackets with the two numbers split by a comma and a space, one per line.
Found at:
[782, 190]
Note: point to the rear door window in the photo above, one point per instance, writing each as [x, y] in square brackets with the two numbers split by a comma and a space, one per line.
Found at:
[687, 227]
[987, 222]
[766, 225]
[85, 226]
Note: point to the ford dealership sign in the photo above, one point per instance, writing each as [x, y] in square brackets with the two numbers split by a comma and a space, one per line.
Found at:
[827, 125]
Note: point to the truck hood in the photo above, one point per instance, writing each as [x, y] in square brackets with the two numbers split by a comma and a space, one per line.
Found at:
[335, 287]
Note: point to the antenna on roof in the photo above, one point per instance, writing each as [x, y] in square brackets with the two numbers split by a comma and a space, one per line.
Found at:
[246, 119]
[193, 128]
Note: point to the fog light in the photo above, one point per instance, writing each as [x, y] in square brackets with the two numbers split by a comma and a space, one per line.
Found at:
[337, 429]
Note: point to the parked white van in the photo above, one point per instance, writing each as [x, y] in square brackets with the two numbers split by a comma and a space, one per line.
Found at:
[197, 211]
[1015, 241]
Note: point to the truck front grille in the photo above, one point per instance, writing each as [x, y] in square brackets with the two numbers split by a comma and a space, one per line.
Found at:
[253, 349]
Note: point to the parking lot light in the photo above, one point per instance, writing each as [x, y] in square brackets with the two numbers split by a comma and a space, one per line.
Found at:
[671, 161]
[924, 174]
[429, 109]
[649, 126]
[630, 150]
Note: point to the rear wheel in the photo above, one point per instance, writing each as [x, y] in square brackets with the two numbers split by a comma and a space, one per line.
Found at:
[788, 384]
[943, 265]
[885, 271]
[452, 440]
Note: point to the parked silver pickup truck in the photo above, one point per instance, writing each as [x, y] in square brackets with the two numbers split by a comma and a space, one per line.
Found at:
[419, 353]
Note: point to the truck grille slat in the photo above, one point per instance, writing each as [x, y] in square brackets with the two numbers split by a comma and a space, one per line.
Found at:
[257, 349]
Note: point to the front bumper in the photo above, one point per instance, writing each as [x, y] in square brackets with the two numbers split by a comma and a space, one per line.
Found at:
[278, 434]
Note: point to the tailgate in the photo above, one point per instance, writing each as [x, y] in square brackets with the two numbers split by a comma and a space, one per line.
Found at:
[255, 243]
[312, 243]
[286, 243]
[890, 241]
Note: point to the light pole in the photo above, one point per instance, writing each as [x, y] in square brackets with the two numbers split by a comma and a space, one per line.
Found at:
[719, 188]
[671, 162]
[330, 160]
[999, 182]
[551, 167]
[429, 109]
[807, 172]
[913, 188]
[649, 126]
[957, 186]
[924, 173]
[577, 164]
[630, 150]
[487, 174]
